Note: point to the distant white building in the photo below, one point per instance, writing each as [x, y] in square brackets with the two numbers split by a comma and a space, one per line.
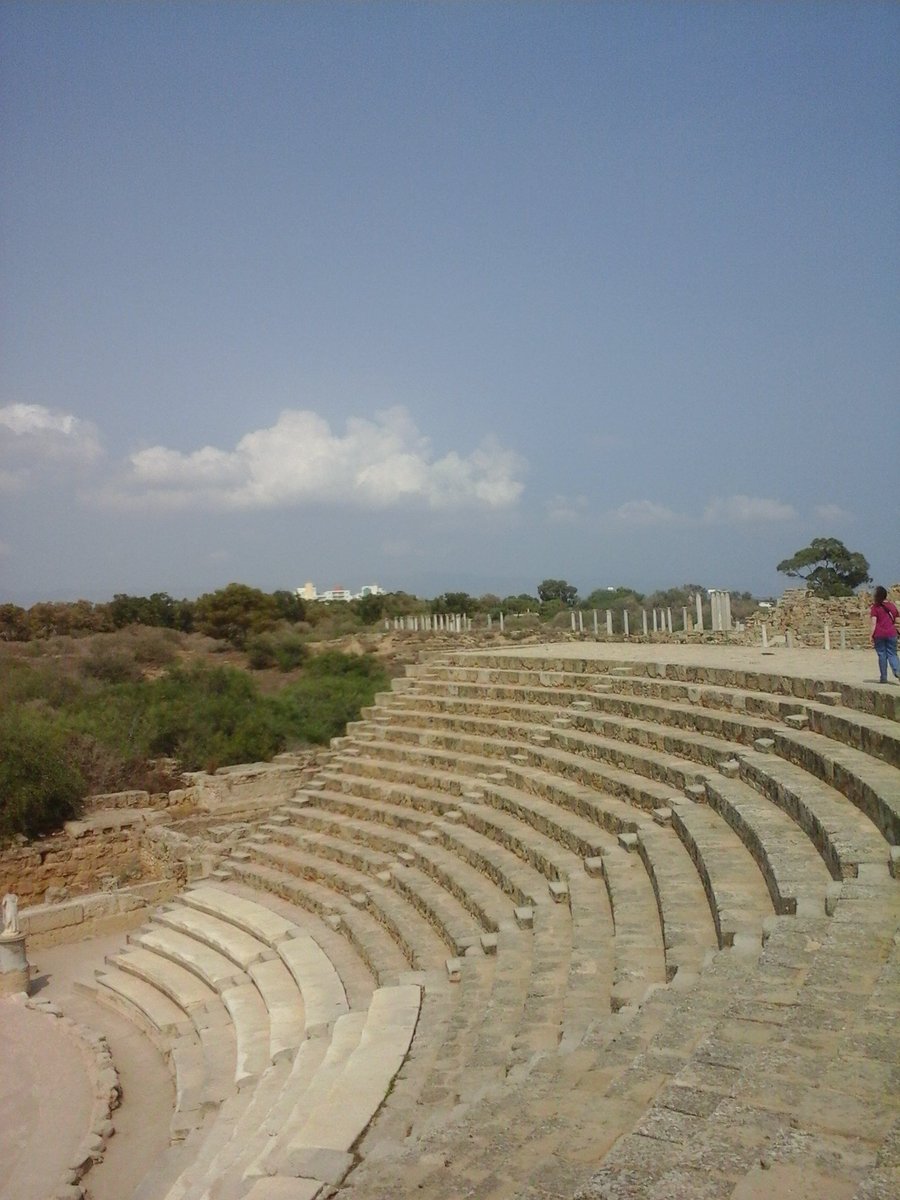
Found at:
[308, 592]
[336, 593]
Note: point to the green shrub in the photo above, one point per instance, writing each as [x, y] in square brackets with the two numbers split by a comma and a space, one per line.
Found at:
[39, 788]
[111, 663]
[283, 649]
[331, 692]
[207, 717]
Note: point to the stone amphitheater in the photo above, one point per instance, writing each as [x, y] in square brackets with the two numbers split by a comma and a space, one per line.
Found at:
[605, 922]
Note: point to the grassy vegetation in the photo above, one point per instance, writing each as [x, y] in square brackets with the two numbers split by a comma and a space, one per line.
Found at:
[132, 709]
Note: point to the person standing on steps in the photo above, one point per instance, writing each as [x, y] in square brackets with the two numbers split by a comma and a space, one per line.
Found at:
[884, 634]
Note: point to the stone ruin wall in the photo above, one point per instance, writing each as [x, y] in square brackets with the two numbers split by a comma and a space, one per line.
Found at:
[74, 863]
[805, 617]
[127, 842]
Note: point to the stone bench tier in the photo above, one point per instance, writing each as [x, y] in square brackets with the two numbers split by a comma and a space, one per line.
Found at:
[539, 806]
[738, 897]
[433, 850]
[593, 735]
[357, 868]
[363, 799]
[739, 884]
[796, 874]
[845, 838]
[220, 935]
[593, 710]
[402, 921]
[872, 787]
[217, 971]
[347, 1088]
[376, 947]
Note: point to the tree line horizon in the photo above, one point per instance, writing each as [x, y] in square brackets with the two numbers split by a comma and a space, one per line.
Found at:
[237, 611]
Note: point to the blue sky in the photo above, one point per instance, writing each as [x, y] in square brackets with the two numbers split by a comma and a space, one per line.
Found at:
[445, 295]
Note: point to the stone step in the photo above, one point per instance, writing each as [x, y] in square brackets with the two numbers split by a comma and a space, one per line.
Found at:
[250, 1020]
[872, 787]
[220, 935]
[738, 897]
[357, 800]
[217, 971]
[339, 890]
[639, 951]
[796, 874]
[324, 997]
[254, 918]
[284, 1004]
[369, 875]
[181, 986]
[160, 1017]
[566, 751]
[525, 822]
[238, 1121]
[361, 932]
[590, 734]
[321, 1147]
[301, 1089]
[433, 850]
[631, 713]
[845, 838]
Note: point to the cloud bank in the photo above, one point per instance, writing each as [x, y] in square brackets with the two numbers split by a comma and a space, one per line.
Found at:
[34, 438]
[721, 510]
[374, 463]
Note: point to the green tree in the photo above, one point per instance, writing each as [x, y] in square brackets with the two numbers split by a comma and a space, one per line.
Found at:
[827, 567]
[13, 624]
[290, 606]
[558, 589]
[235, 612]
[454, 602]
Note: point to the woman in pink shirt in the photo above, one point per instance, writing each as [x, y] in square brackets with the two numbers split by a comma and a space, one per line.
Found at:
[884, 634]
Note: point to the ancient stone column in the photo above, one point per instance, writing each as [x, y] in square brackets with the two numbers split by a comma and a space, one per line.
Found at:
[699, 600]
[644, 620]
[609, 625]
[625, 620]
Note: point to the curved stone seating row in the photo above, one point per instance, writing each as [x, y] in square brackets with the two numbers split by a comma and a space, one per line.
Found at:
[248, 1008]
[702, 830]
[516, 814]
[833, 713]
[846, 818]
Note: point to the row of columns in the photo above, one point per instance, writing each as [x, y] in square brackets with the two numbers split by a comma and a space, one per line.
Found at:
[659, 619]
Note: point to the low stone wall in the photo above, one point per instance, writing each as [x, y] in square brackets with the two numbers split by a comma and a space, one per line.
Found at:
[90, 915]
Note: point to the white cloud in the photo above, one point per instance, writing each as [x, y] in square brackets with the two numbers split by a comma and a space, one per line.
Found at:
[738, 509]
[377, 462]
[566, 509]
[644, 512]
[35, 441]
[37, 432]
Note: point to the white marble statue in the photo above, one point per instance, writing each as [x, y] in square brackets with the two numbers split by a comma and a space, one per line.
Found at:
[10, 911]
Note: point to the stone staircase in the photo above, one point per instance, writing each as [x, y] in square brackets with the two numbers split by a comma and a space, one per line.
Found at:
[548, 928]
